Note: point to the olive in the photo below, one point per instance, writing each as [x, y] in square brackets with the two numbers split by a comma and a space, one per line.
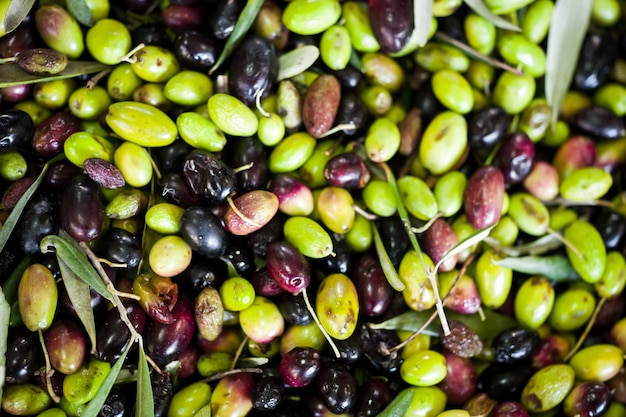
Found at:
[16, 130]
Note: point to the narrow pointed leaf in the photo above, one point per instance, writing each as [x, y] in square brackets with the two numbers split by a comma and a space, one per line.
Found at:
[409, 321]
[568, 26]
[296, 61]
[481, 9]
[204, 411]
[245, 20]
[145, 397]
[10, 285]
[11, 221]
[76, 261]
[468, 242]
[80, 297]
[15, 14]
[81, 11]
[400, 405]
[554, 267]
[12, 74]
[95, 405]
[252, 362]
[390, 272]
[423, 17]
[5, 313]
[539, 246]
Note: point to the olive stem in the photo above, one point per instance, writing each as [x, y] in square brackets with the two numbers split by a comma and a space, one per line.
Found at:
[121, 294]
[566, 242]
[8, 60]
[221, 375]
[569, 203]
[309, 307]
[585, 333]
[333, 147]
[112, 264]
[243, 167]
[427, 225]
[257, 102]
[155, 167]
[93, 81]
[239, 351]
[472, 52]
[364, 213]
[337, 128]
[129, 56]
[49, 370]
[241, 215]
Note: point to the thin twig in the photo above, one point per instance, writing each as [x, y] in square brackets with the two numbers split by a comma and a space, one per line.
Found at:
[49, 370]
[319, 324]
[426, 226]
[364, 213]
[221, 375]
[585, 333]
[243, 344]
[474, 53]
[566, 242]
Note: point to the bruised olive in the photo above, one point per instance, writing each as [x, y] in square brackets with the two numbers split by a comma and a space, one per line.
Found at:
[121, 246]
[208, 176]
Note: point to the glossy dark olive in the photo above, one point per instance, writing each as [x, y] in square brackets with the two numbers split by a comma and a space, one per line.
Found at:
[240, 256]
[195, 50]
[204, 232]
[515, 158]
[372, 286]
[39, 219]
[487, 127]
[163, 389]
[61, 173]
[394, 238]
[121, 246]
[264, 284]
[599, 122]
[514, 345]
[16, 130]
[373, 340]
[174, 188]
[347, 170]
[208, 177]
[223, 18]
[348, 77]
[611, 226]
[268, 394]
[165, 342]
[589, 399]
[149, 34]
[351, 111]
[293, 308]
[113, 336]
[504, 382]
[392, 23]
[51, 134]
[250, 153]
[82, 209]
[201, 273]
[253, 69]
[171, 157]
[373, 396]
[299, 366]
[340, 261]
[22, 355]
[351, 349]
[289, 268]
[337, 387]
[595, 60]
[21, 39]
[117, 404]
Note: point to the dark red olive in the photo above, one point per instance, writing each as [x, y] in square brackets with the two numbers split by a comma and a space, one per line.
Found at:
[460, 381]
[289, 268]
[299, 366]
[181, 17]
[515, 158]
[82, 210]
[113, 335]
[392, 22]
[51, 134]
[347, 170]
[372, 286]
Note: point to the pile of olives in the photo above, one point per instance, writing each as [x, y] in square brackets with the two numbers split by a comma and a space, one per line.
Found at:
[293, 209]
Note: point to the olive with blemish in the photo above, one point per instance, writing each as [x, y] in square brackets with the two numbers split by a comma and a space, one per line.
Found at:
[208, 176]
[122, 247]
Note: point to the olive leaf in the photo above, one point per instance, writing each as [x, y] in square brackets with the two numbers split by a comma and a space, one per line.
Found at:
[388, 269]
[296, 61]
[554, 267]
[145, 397]
[409, 321]
[468, 242]
[76, 261]
[12, 74]
[81, 11]
[423, 18]
[5, 312]
[568, 26]
[14, 217]
[204, 411]
[481, 9]
[95, 405]
[245, 20]
[15, 14]
[80, 297]
[400, 405]
[13, 281]
[539, 246]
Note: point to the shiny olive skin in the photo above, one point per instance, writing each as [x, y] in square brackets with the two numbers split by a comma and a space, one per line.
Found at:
[596, 57]
[245, 151]
[208, 177]
[16, 130]
[374, 290]
[39, 219]
[113, 336]
[487, 127]
[392, 23]
[121, 246]
[82, 210]
[196, 50]
[22, 355]
[203, 231]
[222, 20]
[254, 68]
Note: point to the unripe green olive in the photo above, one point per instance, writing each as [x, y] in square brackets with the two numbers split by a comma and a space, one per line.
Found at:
[54, 94]
[89, 103]
[82, 145]
[336, 47]
[60, 30]
[514, 92]
[122, 82]
[188, 88]
[155, 64]
[108, 41]
[481, 33]
[310, 17]
[359, 27]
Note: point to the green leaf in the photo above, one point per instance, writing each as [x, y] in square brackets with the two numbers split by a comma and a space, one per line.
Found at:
[423, 18]
[12, 74]
[554, 267]
[5, 312]
[81, 11]
[296, 61]
[400, 405]
[245, 20]
[390, 272]
[11, 221]
[568, 26]
[15, 14]
[76, 261]
[481, 9]
[12, 282]
[95, 405]
[204, 411]
[78, 293]
[145, 397]
[469, 241]
[409, 321]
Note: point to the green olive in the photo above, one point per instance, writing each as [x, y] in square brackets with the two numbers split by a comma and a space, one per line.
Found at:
[108, 41]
